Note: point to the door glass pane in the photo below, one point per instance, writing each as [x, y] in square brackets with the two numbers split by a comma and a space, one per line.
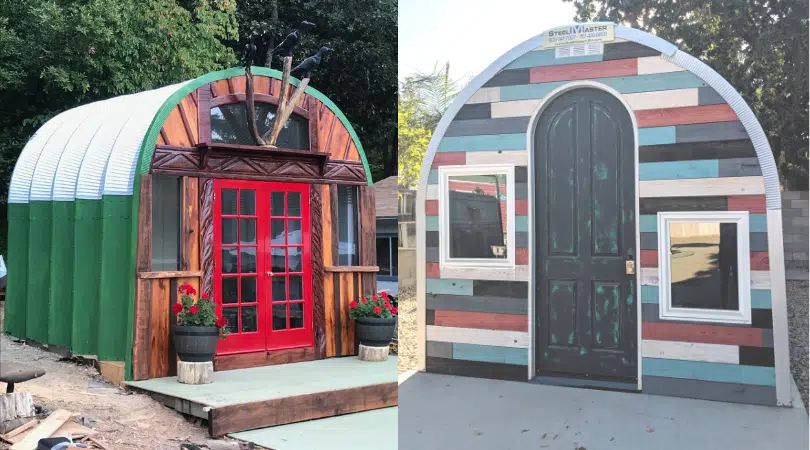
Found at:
[276, 203]
[229, 290]
[477, 210]
[249, 319]
[232, 316]
[247, 203]
[703, 265]
[248, 289]
[248, 259]
[278, 260]
[296, 287]
[277, 232]
[228, 260]
[294, 204]
[294, 232]
[247, 231]
[279, 289]
[296, 315]
[383, 256]
[228, 231]
[229, 201]
[294, 259]
[280, 316]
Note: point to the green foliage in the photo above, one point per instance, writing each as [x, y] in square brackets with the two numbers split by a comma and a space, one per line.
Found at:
[379, 305]
[760, 47]
[412, 143]
[359, 74]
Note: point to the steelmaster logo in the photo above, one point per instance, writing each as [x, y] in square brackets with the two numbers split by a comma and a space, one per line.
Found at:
[578, 29]
[578, 34]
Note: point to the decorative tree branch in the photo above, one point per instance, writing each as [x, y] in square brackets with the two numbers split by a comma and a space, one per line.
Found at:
[250, 108]
[272, 134]
[283, 114]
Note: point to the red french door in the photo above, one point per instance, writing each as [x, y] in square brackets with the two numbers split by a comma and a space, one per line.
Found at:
[262, 264]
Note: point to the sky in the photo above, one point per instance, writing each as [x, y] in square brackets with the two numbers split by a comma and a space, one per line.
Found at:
[471, 34]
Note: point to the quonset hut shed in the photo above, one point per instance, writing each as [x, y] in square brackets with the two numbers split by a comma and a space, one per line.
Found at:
[598, 208]
[114, 203]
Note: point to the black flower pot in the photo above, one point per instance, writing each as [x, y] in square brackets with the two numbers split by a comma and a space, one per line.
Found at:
[195, 344]
[375, 331]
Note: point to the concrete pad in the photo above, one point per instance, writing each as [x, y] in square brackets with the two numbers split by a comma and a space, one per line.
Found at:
[372, 430]
[473, 414]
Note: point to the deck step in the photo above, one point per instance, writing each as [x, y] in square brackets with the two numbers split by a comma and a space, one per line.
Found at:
[259, 397]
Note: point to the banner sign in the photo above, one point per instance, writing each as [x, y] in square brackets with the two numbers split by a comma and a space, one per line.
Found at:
[578, 34]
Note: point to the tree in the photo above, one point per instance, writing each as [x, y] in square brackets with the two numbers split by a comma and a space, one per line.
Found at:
[759, 46]
[412, 142]
[55, 55]
[359, 74]
[435, 91]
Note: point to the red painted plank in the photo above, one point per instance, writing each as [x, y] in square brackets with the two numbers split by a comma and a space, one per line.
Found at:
[480, 320]
[685, 115]
[750, 203]
[760, 261]
[616, 68]
[522, 256]
[707, 334]
[449, 159]
[432, 270]
[431, 207]
[648, 258]
[522, 207]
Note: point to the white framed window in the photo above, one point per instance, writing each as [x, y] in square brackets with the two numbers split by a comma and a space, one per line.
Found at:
[704, 264]
[477, 215]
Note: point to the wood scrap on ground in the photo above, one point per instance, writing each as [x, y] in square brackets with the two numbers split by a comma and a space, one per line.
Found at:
[58, 424]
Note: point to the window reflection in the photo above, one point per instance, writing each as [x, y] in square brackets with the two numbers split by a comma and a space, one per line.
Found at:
[229, 126]
[477, 208]
[703, 265]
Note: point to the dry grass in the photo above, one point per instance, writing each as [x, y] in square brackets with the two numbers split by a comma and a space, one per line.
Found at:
[407, 330]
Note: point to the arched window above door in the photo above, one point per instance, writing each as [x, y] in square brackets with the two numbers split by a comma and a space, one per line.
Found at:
[229, 126]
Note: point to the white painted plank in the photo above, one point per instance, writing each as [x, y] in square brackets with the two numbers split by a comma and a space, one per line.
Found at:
[516, 339]
[515, 108]
[760, 279]
[516, 157]
[690, 351]
[432, 192]
[519, 273]
[674, 98]
[649, 276]
[656, 64]
[485, 95]
[781, 345]
[697, 187]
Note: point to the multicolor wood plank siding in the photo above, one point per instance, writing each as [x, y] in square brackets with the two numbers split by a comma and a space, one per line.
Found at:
[694, 155]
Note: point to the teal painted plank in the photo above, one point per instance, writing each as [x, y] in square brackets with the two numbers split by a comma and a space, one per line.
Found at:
[648, 223]
[656, 135]
[488, 353]
[675, 170]
[625, 85]
[522, 223]
[516, 141]
[758, 223]
[448, 286]
[546, 58]
[433, 178]
[432, 223]
[698, 370]
[649, 294]
[761, 298]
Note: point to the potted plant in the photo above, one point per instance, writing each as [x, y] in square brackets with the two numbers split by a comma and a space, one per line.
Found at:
[375, 317]
[198, 327]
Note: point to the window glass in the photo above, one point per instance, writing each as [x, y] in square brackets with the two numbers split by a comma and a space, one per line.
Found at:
[384, 255]
[229, 126]
[165, 223]
[347, 220]
[477, 208]
[704, 265]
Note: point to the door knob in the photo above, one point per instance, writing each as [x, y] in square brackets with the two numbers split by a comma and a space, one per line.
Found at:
[269, 274]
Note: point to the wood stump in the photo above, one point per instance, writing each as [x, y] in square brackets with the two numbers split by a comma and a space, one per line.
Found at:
[195, 372]
[373, 353]
[16, 409]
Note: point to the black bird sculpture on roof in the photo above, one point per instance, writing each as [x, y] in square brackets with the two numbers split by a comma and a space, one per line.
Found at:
[304, 70]
[250, 53]
[289, 42]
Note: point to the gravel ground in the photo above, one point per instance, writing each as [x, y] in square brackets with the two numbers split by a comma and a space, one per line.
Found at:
[797, 293]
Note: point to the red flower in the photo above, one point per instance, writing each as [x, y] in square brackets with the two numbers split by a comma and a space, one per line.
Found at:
[204, 295]
[374, 298]
[194, 309]
[182, 289]
[384, 295]
[387, 306]
[221, 323]
[190, 289]
[377, 310]
[177, 308]
[393, 310]
[353, 305]
[363, 301]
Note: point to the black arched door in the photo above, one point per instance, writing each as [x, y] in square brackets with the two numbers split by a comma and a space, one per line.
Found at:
[586, 312]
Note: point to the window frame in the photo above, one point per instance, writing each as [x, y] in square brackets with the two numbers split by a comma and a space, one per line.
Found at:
[445, 172]
[391, 249]
[666, 311]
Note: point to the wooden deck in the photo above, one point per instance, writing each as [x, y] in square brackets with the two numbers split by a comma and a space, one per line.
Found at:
[247, 399]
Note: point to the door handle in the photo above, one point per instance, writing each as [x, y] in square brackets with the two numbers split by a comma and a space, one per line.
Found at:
[269, 274]
[630, 263]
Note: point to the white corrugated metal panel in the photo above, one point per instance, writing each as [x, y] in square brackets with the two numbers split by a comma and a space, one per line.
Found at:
[120, 171]
[42, 182]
